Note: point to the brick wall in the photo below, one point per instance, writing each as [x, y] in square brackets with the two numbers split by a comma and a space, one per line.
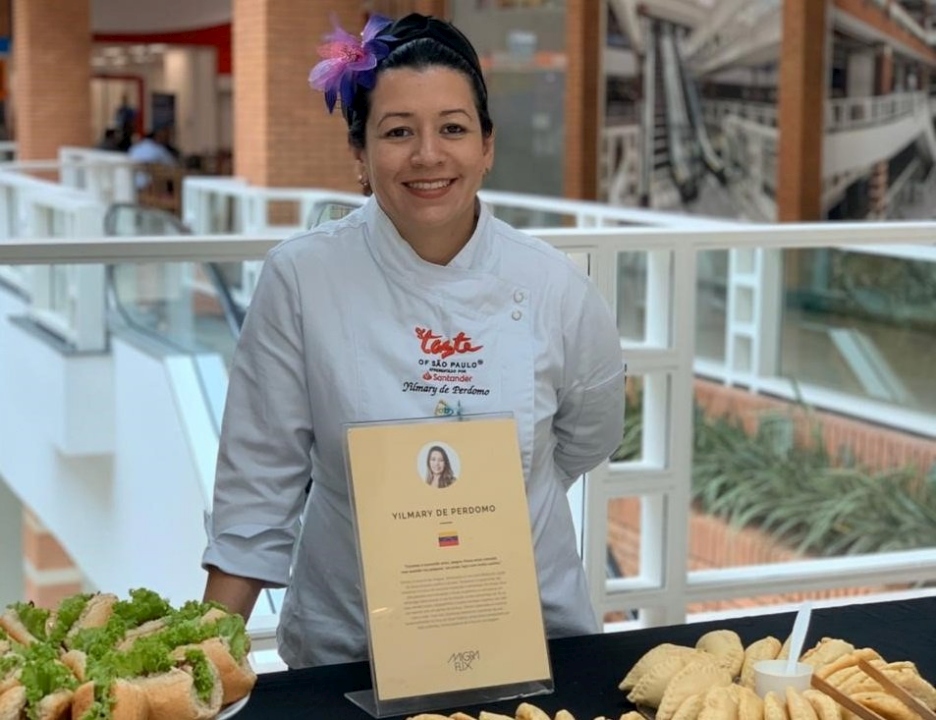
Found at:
[50, 573]
[584, 41]
[875, 447]
[283, 135]
[399, 8]
[712, 544]
[52, 62]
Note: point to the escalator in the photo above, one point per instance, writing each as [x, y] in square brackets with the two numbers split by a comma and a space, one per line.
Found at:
[672, 122]
[711, 158]
[188, 307]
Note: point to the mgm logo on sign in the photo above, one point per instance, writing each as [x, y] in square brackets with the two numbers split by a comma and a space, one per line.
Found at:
[462, 661]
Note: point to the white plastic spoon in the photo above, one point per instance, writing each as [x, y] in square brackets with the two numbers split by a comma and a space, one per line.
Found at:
[800, 626]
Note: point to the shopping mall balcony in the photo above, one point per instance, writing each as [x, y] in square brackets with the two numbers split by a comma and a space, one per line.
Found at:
[117, 323]
[780, 438]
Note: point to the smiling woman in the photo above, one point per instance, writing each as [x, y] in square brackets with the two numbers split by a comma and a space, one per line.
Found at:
[418, 304]
[425, 157]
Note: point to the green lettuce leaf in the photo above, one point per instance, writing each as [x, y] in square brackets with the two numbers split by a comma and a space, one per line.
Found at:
[69, 611]
[43, 674]
[144, 605]
[10, 662]
[201, 674]
[33, 618]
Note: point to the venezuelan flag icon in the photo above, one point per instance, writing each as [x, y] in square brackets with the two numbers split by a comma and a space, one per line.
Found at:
[448, 538]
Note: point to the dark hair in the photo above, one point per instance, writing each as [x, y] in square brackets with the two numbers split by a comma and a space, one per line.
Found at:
[423, 42]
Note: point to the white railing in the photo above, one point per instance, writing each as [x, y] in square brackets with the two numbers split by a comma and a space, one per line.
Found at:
[716, 111]
[621, 164]
[662, 478]
[750, 153]
[841, 114]
[67, 300]
[107, 176]
[857, 112]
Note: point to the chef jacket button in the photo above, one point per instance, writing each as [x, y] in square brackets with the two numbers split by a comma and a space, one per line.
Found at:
[516, 314]
[518, 296]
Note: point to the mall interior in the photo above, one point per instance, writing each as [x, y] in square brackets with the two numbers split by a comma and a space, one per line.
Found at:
[751, 183]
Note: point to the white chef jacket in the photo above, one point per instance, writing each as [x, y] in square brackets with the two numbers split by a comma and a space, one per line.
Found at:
[330, 338]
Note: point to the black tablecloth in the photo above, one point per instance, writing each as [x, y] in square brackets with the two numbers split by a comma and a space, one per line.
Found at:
[587, 669]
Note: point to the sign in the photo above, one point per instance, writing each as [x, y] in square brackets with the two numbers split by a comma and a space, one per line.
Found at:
[451, 594]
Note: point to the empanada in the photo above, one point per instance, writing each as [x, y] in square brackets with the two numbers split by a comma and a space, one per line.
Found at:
[798, 707]
[854, 681]
[910, 680]
[632, 715]
[886, 705]
[485, 715]
[826, 708]
[564, 715]
[750, 705]
[649, 689]
[719, 704]
[690, 708]
[726, 646]
[774, 707]
[764, 649]
[696, 677]
[826, 651]
[460, 716]
[844, 676]
[527, 711]
[648, 660]
[849, 660]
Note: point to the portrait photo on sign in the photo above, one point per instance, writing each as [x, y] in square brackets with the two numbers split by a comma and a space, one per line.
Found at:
[438, 465]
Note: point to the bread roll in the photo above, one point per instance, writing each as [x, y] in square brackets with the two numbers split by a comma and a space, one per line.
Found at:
[55, 706]
[237, 678]
[150, 627]
[10, 669]
[127, 701]
[14, 626]
[12, 703]
[77, 662]
[172, 695]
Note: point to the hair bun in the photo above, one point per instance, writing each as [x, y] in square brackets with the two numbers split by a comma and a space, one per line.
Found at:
[415, 26]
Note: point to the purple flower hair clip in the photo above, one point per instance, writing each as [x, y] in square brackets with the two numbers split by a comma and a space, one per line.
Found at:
[350, 61]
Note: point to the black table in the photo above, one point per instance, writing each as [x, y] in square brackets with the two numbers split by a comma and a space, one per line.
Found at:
[587, 669]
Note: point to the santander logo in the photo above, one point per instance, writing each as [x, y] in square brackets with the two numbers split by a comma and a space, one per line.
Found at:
[433, 344]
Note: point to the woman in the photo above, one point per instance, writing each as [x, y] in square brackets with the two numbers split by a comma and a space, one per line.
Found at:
[346, 319]
[438, 468]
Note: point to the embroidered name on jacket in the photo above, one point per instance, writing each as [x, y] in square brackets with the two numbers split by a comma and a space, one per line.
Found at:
[448, 365]
[433, 344]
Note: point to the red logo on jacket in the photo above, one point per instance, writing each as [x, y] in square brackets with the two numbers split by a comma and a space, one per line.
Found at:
[433, 344]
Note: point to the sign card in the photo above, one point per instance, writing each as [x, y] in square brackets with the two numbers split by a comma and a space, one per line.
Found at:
[450, 585]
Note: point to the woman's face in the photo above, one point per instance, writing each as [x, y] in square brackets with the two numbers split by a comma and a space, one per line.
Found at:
[436, 462]
[425, 154]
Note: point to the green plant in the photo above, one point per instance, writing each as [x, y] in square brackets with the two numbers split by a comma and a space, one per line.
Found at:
[798, 495]
[785, 483]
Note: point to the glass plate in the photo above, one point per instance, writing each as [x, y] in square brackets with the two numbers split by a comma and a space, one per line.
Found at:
[234, 708]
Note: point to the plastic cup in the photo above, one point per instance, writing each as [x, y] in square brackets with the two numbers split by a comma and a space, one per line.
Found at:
[772, 675]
